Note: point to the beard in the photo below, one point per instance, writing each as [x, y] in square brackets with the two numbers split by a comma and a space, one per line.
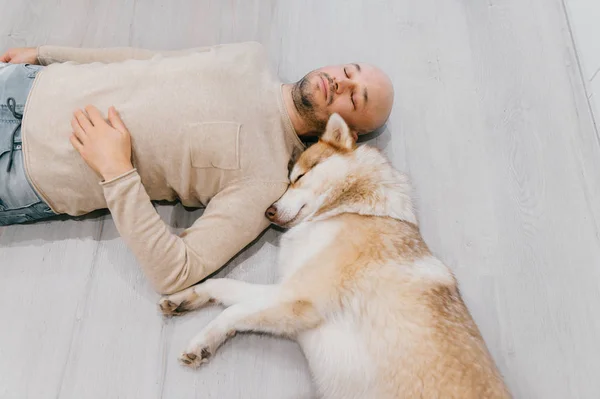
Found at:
[303, 97]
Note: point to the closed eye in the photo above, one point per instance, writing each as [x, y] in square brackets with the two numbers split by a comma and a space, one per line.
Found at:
[352, 93]
[299, 177]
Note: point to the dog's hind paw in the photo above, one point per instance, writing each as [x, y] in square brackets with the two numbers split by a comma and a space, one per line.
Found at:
[194, 360]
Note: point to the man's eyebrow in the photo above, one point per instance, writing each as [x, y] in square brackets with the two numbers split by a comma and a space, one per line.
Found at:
[365, 94]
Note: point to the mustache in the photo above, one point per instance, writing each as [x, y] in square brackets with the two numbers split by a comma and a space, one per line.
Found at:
[305, 89]
[330, 88]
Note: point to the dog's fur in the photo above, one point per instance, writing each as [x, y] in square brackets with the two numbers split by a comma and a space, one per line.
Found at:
[376, 314]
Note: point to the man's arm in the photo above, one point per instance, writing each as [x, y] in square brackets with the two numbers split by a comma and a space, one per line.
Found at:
[47, 55]
[232, 219]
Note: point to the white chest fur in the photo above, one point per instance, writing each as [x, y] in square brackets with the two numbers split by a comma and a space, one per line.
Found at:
[303, 242]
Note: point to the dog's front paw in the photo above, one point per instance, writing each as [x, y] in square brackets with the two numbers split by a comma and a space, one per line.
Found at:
[184, 301]
[171, 308]
[195, 358]
[167, 307]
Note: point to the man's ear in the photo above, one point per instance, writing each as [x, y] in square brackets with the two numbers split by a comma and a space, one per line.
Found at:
[338, 133]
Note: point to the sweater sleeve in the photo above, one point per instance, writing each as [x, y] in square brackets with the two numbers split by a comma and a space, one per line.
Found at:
[232, 219]
[50, 54]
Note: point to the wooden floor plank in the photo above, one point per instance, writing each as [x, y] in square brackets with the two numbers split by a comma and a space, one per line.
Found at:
[492, 122]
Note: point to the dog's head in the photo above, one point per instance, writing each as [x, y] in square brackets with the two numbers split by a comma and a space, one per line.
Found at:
[335, 176]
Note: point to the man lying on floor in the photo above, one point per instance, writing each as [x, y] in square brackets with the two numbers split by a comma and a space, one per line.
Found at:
[209, 127]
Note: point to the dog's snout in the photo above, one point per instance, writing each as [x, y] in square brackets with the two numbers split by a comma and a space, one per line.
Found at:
[271, 212]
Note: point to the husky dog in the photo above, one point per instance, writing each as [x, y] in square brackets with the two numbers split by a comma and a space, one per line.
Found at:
[376, 314]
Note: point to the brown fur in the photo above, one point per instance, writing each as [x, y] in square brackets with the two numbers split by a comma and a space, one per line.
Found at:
[377, 315]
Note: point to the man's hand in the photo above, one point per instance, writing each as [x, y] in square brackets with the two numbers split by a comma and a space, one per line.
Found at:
[105, 147]
[22, 55]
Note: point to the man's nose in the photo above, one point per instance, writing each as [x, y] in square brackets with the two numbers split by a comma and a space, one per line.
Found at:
[343, 84]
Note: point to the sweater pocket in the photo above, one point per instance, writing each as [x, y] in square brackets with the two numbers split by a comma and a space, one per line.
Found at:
[215, 145]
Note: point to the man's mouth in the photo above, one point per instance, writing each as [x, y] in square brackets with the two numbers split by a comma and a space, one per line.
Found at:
[324, 87]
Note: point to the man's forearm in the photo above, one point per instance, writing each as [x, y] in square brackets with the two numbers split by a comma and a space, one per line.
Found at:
[164, 257]
[231, 220]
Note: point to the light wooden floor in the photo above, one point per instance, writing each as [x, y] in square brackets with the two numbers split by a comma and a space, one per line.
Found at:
[583, 16]
[492, 122]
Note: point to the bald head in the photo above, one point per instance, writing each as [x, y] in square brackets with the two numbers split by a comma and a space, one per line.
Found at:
[361, 93]
[380, 92]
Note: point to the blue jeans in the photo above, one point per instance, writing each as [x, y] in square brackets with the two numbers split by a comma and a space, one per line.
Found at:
[19, 202]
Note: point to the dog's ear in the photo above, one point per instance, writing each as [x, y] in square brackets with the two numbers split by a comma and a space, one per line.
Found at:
[338, 133]
[296, 152]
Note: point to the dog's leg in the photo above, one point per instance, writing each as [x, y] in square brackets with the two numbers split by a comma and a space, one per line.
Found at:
[223, 291]
[269, 314]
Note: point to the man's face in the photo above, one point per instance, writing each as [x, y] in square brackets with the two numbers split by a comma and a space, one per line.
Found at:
[360, 93]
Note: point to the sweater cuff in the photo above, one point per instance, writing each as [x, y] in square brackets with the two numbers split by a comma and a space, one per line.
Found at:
[124, 176]
[41, 57]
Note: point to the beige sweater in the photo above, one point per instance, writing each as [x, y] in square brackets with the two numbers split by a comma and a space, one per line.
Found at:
[208, 127]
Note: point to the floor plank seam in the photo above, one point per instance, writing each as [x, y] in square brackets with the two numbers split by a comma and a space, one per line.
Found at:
[76, 328]
[588, 95]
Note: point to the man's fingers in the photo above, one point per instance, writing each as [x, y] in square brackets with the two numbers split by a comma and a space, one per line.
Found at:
[78, 130]
[76, 143]
[95, 115]
[84, 121]
[5, 58]
[116, 121]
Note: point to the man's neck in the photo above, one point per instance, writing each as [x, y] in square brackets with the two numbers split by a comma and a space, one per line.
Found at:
[300, 126]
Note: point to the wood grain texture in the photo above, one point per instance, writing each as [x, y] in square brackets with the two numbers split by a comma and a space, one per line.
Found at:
[491, 120]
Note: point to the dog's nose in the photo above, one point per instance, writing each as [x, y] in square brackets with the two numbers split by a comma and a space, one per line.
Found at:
[271, 212]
